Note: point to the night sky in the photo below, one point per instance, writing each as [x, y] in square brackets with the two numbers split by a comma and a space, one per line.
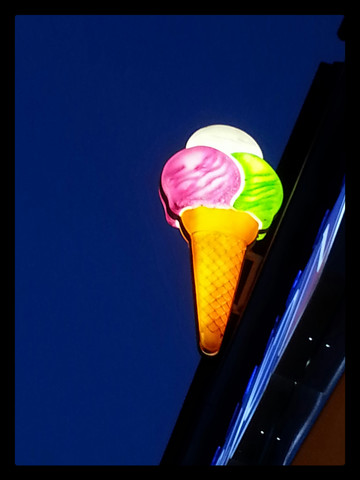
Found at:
[105, 343]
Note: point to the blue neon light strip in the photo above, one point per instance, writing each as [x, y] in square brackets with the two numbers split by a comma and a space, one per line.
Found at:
[299, 296]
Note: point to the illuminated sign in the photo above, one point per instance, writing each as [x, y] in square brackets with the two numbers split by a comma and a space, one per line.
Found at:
[298, 299]
[222, 196]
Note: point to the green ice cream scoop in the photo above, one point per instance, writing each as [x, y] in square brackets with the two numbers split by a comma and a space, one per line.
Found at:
[262, 195]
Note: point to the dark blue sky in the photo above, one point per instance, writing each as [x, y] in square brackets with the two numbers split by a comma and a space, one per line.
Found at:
[105, 338]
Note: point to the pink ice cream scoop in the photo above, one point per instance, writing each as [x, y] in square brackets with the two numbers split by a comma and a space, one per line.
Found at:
[198, 176]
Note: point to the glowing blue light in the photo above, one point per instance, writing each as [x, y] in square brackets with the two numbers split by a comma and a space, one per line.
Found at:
[297, 301]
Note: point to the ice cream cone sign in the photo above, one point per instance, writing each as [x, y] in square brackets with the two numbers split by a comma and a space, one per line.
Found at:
[222, 196]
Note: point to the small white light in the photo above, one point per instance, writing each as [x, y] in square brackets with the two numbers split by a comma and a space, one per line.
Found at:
[225, 138]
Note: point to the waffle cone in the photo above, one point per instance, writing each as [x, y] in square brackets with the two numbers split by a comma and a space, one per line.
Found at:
[218, 240]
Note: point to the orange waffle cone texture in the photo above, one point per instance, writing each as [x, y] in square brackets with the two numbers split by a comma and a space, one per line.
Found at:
[218, 239]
